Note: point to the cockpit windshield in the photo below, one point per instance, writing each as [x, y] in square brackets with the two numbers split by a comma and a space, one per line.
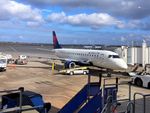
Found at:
[113, 56]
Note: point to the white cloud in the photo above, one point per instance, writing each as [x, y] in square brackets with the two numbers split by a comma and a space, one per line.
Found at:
[94, 20]
[33, 24]
[130, 9]
[135, 24]
[46, 10]
[21, 37]
[123, 39]
[129, 24]
[58, 17]
[13, 10]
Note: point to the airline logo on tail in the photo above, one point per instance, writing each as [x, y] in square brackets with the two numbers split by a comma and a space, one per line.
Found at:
[56, 44]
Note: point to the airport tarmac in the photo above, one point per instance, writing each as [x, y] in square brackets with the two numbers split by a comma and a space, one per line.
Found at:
[26, 49]
[55, 88]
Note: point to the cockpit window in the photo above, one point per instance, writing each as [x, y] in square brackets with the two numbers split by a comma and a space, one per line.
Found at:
[113, 56]
[110, 56]
[116, 56]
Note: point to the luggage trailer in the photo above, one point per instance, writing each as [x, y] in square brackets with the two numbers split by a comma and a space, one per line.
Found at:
[14, 100]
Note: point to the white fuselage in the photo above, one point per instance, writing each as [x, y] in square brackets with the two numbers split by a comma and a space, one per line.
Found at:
[100, 58]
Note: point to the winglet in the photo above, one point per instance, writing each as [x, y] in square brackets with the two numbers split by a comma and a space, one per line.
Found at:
[55, 41]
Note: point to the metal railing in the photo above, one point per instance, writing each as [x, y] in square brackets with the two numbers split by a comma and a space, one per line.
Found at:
[130, 107]
[107, 106]
[119, 84]
[144, 101]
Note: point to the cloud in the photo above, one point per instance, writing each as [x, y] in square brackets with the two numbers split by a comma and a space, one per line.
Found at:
[39, 3]
[21, 37]
[135, 24]
[10, 10]
[132, 24]
[94, 20]
[125, 14]
[133, 9]
[123, 39]
[33, 24]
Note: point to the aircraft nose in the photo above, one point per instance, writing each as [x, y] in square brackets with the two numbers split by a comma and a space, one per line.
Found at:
[123, 64]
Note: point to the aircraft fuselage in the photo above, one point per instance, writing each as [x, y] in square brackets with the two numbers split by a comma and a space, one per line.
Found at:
[100, 58]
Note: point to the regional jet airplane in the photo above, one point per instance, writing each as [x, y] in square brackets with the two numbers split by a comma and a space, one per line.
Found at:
[99, 58]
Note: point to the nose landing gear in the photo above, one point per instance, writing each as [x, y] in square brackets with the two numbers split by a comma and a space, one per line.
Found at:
[109, 72]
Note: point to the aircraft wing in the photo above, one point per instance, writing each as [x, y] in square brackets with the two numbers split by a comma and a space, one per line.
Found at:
[72, 60]
[62, 59]
[84, 61]
[53, 57]
[43, 49]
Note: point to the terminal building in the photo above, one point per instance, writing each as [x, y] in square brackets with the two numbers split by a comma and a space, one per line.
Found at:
[135, 54]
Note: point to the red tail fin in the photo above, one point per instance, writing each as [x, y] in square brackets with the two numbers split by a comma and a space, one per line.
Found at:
[55, 41]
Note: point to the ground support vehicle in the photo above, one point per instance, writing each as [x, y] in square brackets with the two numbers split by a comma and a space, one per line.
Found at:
[21, 60]
[141, 79]
[3, 63]
[73, 71]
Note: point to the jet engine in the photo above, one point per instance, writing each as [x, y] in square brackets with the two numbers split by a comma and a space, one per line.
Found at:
[69, 64]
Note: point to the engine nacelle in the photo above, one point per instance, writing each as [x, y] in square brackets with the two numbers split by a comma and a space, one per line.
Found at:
[69, 64]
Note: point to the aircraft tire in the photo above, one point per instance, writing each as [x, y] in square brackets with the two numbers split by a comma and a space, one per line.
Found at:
[149, 85]
[84, 72]
[72, 65]
[108, 74]
[71, 73]
[138, 82]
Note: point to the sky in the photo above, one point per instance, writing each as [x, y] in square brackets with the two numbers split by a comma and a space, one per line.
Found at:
[110, 22]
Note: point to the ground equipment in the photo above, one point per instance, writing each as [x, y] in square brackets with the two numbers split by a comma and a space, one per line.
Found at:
[21, 60]
[23, 101]
[3, 63]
